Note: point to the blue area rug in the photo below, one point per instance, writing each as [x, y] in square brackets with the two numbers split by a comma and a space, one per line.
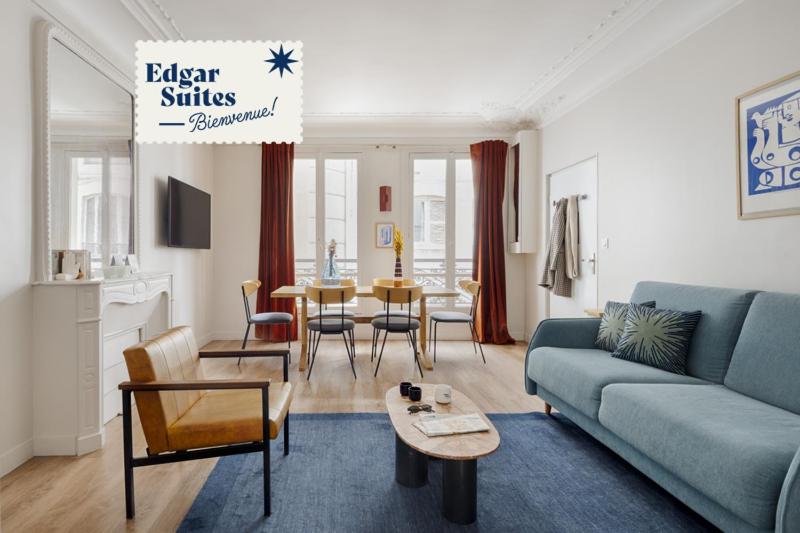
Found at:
[547, 476]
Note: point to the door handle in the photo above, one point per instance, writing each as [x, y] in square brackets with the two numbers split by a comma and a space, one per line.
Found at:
[593, 261]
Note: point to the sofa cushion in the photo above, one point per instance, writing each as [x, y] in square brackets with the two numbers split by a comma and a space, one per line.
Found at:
[766, 360]
[657, 337]
[715, 336]
[612, 323]
[578, 376]
[732, 448]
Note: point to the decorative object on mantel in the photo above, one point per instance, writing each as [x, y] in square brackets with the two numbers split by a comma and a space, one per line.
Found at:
[385, 198]
[330, 272]
[768, 149]
[384, 235]
[398, 251]
[71, 265]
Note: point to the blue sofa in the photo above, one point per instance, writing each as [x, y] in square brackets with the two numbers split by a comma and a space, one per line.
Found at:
[724, 439]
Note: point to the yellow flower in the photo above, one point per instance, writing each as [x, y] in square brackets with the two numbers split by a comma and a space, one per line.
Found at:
[398, 242]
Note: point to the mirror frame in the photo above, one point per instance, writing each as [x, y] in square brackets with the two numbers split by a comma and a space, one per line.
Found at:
[48, 33]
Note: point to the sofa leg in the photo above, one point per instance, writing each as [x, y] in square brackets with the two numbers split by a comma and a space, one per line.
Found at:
[547, 408]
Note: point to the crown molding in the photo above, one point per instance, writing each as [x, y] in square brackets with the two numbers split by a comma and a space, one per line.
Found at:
[153, 17]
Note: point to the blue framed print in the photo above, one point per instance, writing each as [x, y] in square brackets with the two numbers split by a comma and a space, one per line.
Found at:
[768, 145]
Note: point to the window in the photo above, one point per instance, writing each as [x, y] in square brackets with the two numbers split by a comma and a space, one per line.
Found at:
[443, 221]
[320, 218]
[304, 198]
[93, 199]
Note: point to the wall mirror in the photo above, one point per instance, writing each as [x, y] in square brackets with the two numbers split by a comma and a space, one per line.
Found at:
[89, 172]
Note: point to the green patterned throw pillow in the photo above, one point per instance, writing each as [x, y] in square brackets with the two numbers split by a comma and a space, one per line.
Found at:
[657, 337]
[612, 323]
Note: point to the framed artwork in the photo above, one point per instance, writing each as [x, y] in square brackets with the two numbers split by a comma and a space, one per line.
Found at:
[768, 149]
[384, 235]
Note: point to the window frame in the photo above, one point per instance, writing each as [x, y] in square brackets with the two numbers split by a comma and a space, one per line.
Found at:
[320, 156]
[67, 148]
[450, 259]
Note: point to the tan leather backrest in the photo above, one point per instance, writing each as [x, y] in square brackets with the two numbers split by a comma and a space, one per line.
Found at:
[171, 356]
[397, 295]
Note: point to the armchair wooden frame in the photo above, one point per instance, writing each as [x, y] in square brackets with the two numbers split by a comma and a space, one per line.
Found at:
[262, 446]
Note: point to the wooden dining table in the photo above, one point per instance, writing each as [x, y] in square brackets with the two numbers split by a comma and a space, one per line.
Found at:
[365, 291]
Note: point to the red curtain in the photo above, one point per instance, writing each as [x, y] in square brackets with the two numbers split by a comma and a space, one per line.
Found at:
[488, 258]
[276, 246]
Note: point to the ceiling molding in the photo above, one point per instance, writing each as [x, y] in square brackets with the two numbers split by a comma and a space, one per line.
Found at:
[614, 24]
[565, 98]
[153, 17]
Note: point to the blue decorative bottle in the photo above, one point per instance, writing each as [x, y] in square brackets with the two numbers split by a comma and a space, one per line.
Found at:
[330, 272]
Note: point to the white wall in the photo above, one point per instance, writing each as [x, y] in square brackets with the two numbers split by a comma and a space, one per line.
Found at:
[665, 136]
[16, 407]
[236, 207]
[193, 269]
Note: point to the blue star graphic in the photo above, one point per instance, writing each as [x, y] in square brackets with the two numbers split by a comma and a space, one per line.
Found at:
[281, 61]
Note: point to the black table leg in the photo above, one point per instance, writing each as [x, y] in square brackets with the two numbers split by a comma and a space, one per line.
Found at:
[410, 466]
[460, 491]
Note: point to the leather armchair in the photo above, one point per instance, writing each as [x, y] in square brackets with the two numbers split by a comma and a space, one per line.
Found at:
[185, 416]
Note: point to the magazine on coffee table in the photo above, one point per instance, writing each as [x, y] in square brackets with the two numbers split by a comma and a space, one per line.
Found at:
[438, 425]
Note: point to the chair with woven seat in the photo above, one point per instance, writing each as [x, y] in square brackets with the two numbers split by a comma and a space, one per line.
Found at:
[267, 319]
[389, 323]
[331, 324]
[185, 416]
[454, 317]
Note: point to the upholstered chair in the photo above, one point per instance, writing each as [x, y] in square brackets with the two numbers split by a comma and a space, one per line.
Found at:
[454, 317]
[185, 416]
[335, 322]
[267, 319]
[389, 322]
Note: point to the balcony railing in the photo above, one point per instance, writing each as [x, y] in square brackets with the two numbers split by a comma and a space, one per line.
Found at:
[429, 272]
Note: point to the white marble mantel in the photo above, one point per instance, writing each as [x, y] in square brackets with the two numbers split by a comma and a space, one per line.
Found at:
[80, 330]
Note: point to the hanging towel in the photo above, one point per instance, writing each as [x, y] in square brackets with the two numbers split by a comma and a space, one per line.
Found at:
[571, 237]
[554, 276]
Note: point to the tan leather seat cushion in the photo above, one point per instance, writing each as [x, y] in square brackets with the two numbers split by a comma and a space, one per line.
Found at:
[229, 417]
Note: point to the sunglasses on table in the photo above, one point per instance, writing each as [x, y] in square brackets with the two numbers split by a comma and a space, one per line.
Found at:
[421, 407]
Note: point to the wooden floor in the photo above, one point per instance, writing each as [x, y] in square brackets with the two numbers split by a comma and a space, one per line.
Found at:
[85, 494]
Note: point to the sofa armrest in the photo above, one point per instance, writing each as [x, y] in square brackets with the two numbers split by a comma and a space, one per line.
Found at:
[561, 333]
[787, 518]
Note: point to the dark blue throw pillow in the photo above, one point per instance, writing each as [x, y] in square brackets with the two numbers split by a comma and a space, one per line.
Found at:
[657, 337]
[612, 323]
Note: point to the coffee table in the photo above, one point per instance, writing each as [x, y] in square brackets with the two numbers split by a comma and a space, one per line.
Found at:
[459, 453]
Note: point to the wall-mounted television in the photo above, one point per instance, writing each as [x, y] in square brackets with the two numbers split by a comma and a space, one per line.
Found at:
[188, 216]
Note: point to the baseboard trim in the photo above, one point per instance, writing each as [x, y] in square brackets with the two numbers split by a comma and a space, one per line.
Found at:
[15, 457]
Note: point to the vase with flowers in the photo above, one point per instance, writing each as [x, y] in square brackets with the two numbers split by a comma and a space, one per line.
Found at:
[398, 251]
[330, 272]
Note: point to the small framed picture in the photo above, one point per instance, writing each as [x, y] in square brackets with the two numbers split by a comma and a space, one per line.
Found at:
[768, 149]
[384, 235]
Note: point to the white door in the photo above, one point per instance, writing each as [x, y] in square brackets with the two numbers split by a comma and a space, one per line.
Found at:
[579, 179]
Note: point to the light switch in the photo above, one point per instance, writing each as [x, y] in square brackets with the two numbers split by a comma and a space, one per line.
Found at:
[604, 243]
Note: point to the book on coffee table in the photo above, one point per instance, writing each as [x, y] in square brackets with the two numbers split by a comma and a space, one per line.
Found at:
[438, 425]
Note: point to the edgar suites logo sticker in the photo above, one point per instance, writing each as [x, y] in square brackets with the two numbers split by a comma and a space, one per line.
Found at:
[219, 91]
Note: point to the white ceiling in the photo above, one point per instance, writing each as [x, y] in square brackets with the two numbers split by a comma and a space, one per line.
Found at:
[502, 64]
[409, 57]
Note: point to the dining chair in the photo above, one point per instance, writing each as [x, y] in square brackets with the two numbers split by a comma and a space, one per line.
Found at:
[324, 311]
[185, 416]
[389, 323]
[389, 282]
[271, 318]
[332, 324]
[455, 317]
